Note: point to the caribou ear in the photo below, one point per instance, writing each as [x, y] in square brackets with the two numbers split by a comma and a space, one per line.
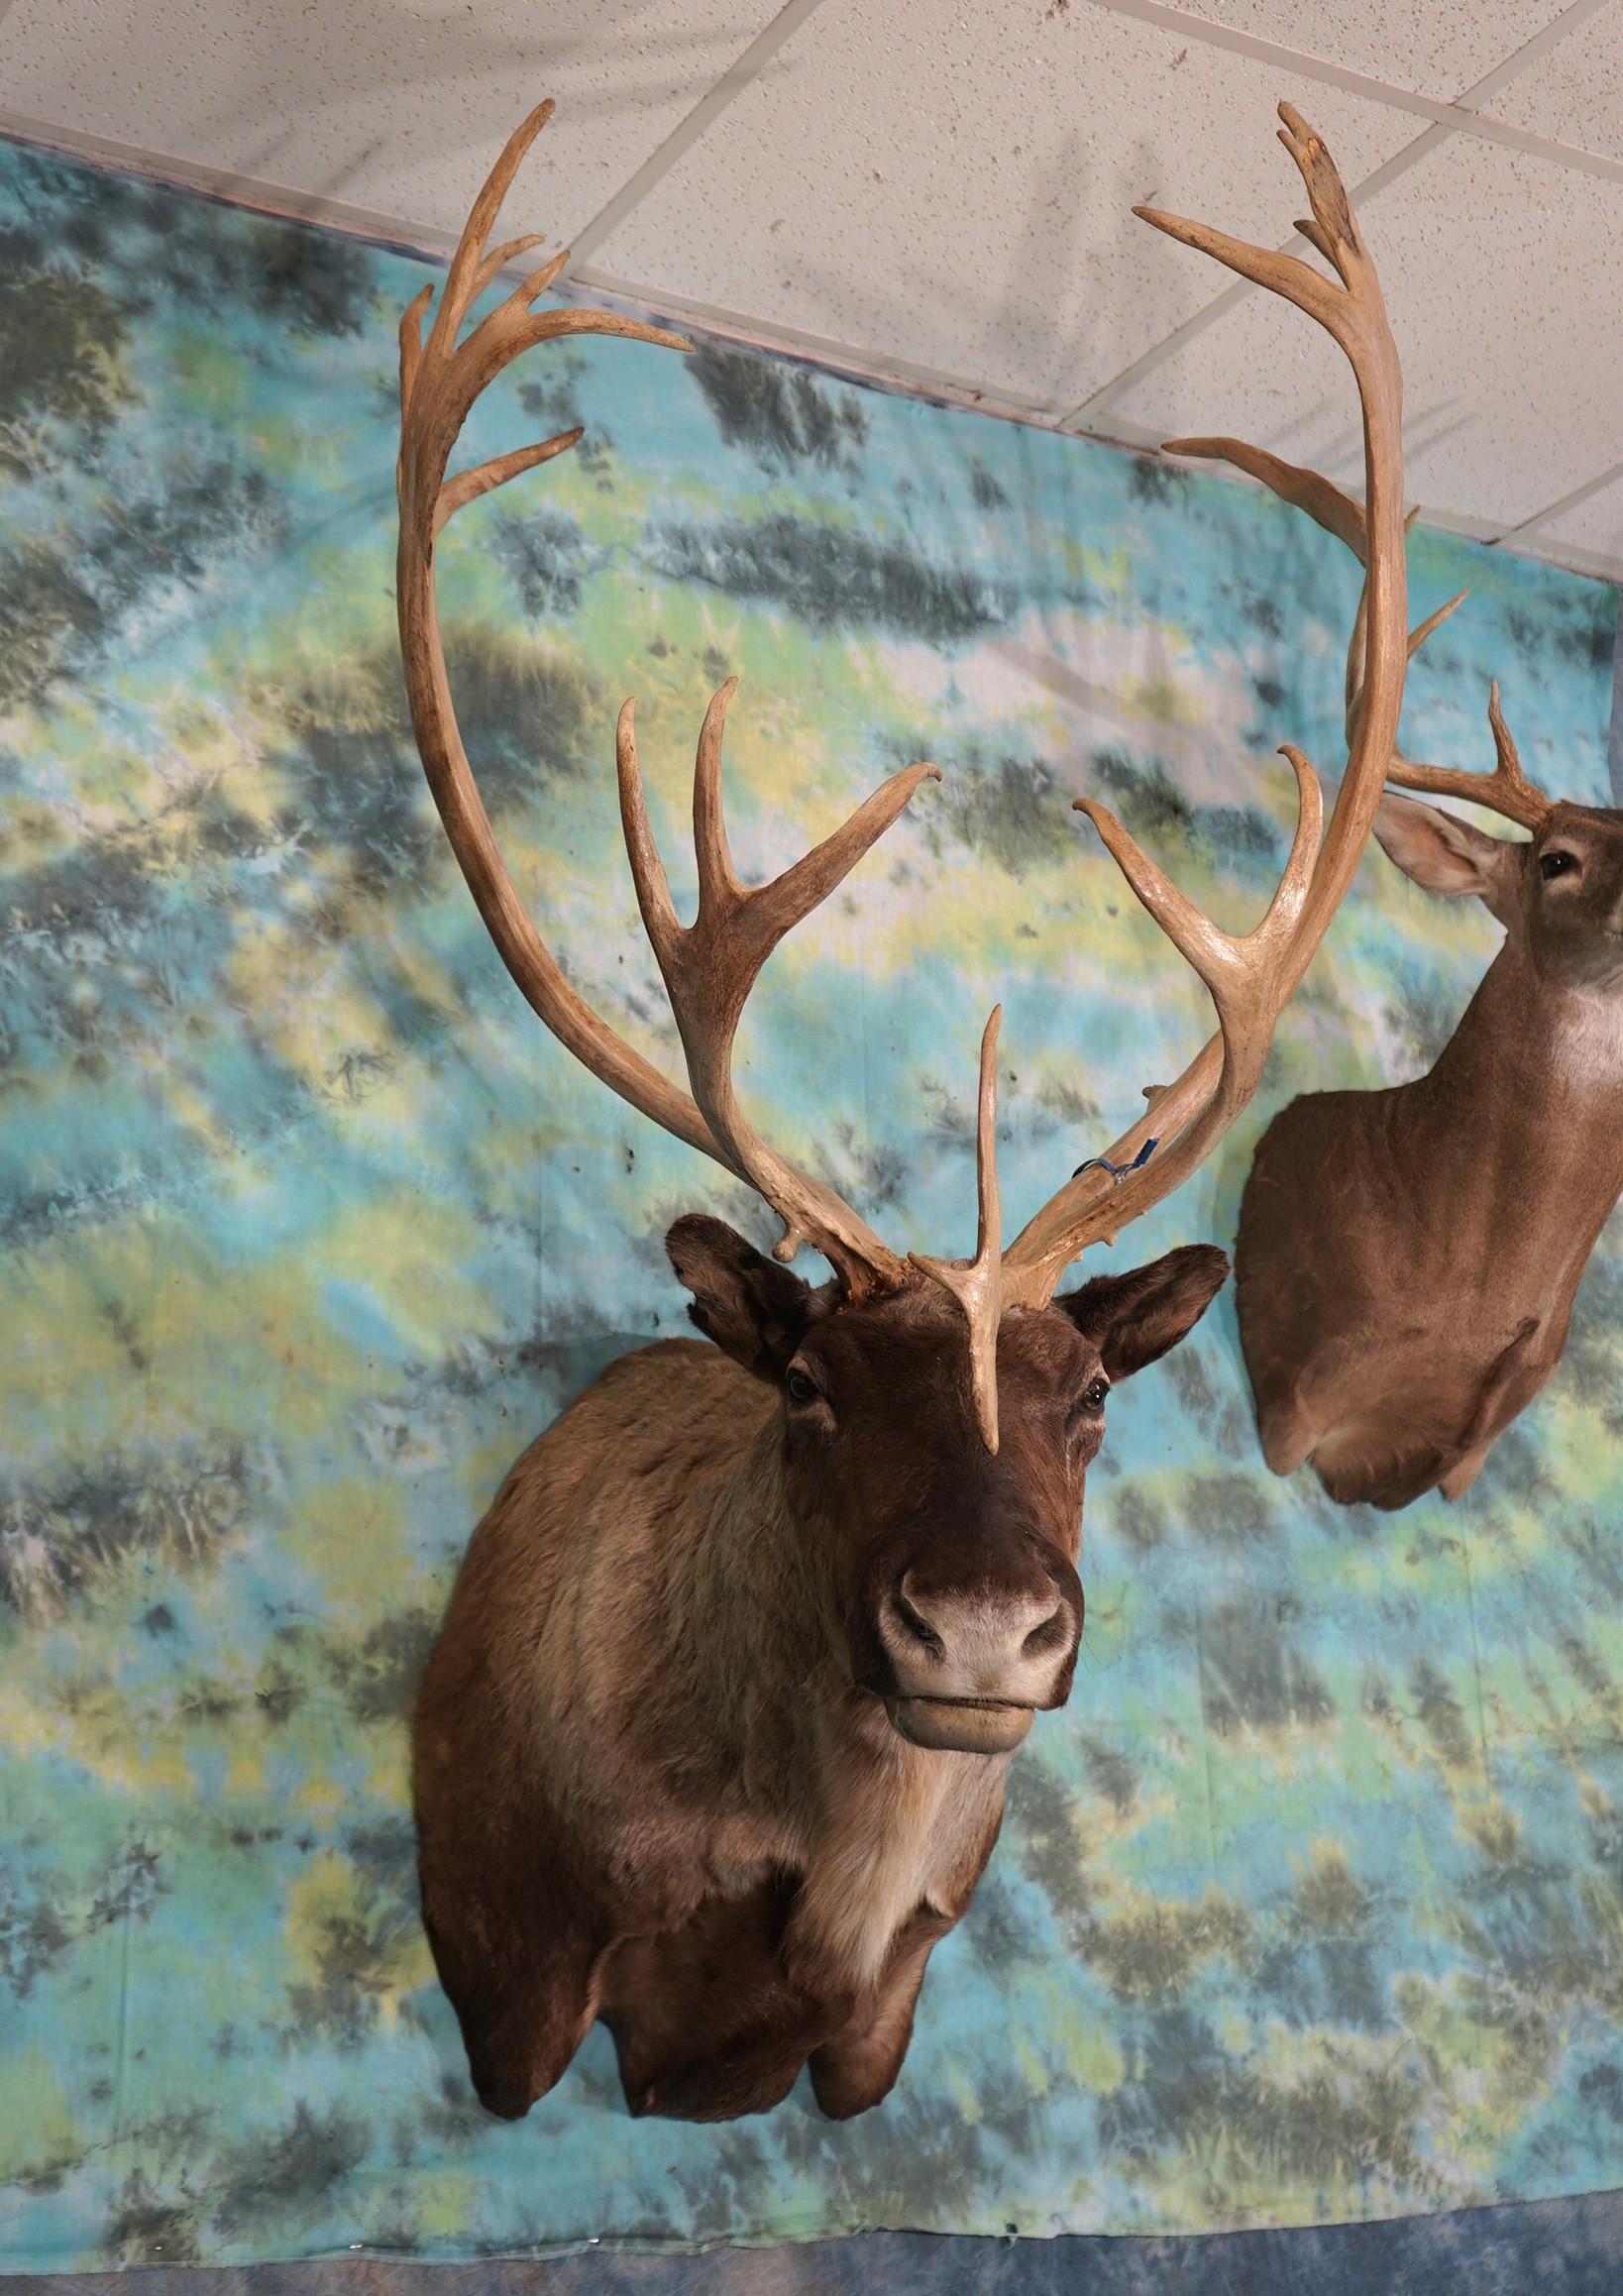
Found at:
[1131, 1319]
[754, 1309]
[1443, 853]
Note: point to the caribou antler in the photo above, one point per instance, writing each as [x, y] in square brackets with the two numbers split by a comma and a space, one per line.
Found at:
[439, 383]
[977, 1284]
[1252, 977]
[1506, 790]
[709, 968]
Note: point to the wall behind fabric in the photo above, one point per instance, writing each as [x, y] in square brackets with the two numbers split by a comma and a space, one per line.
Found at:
[1310, 1905]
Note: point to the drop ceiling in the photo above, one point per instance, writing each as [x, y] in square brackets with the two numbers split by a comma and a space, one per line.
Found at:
[935, 193]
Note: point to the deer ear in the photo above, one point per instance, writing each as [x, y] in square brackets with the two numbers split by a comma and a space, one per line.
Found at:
[755, 1310]
[1442, 853]
[1132, 1318]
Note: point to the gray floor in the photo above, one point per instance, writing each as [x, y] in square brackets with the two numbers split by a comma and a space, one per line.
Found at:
[1570, 2247]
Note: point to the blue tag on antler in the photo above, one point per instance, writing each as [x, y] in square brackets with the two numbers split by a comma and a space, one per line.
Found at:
[1118, 1172]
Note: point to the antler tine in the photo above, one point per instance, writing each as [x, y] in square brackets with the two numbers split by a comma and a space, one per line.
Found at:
[1225, 963]
[498, 258]
[465, 272]
[1504, 748]
[1252, 977]
[717, 879]
[1333, 229]
[441, 378]
[977, 1284]
[469, 485]
[1305, 489]
[439, 383]
[1506, 790]
[1327, 507]
[1249, 976]
[710, 966]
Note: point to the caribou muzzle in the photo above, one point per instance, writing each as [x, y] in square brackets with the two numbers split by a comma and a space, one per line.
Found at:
[968, 1665]
[960, 1725]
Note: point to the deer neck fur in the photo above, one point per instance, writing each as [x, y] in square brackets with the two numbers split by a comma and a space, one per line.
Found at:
[1521, 1111]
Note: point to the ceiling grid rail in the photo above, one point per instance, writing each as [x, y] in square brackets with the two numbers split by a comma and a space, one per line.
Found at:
[733, 83]
[1460, 117]
[1101, 413]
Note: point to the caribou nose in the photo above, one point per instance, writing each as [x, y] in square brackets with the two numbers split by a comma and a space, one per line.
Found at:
[988, 1641]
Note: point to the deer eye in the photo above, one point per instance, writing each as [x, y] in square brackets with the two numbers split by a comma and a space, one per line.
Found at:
[1556, 863]
[800, 1390]
[1094, 1393]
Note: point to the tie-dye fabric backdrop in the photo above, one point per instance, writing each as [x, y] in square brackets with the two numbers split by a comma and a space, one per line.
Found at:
[1309, 1904]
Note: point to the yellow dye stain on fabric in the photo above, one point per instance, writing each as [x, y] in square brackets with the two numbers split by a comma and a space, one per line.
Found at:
[342, 1935]
[1092, 2058]
[39, 2134]
[350, 1539]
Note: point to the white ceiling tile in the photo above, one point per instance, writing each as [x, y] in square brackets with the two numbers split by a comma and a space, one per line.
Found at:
[1574, 92]
[903, 181]
[1593, 526]
[1431, 51]
[943, 187]
[395, 109]
[1505, 278]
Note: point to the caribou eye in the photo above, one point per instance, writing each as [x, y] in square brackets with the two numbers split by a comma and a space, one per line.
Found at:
[800, 1390]
[1556, 864]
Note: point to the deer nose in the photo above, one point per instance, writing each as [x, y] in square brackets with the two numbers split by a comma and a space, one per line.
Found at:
[987, 1641]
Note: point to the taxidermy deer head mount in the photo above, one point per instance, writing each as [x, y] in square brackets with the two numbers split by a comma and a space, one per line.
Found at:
[737, 1655]
[1393, 1343]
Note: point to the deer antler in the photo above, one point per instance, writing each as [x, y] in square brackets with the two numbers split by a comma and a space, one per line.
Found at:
[977, 1284]
[1252, 977]
[709, 968]
[1506, 790]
